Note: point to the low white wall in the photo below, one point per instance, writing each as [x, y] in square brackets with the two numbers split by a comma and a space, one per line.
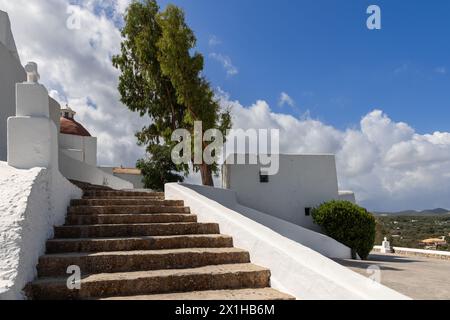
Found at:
[443, 255]
[32, 202]
[296, 269]
[311, 239]
[76, 170]
[136, 180]
[347, 196]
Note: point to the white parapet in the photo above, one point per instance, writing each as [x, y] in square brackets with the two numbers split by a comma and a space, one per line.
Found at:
[31, 203]
[295, 268]
[32, 100]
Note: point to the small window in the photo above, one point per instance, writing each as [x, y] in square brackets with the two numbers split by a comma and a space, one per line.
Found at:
[308, 212]
[263, 178]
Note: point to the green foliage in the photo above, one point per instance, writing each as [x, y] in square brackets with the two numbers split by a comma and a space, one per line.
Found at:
[348, 224]
[160, 169]
[409, 231]
[161, 79]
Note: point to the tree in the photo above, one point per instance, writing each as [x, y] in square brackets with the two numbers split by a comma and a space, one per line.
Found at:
[160, 169]
[162, 79]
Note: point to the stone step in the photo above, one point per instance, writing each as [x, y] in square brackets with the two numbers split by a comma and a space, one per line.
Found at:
[128, 218]
[112, 194]
[131, 230]
[139, 243]
[127, 202]
[222, 277]
[86, 210]
[129, 261]
[265, 294]
[122, 198]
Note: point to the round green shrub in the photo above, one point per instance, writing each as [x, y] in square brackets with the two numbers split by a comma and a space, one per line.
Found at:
[349, 224]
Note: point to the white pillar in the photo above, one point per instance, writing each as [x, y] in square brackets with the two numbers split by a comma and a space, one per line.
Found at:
[32, 135]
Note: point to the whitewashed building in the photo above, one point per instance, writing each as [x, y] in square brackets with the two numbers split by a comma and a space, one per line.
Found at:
[302, 183]
[74, 140]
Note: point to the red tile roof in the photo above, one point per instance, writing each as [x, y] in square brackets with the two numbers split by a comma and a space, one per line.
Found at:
[70, 126]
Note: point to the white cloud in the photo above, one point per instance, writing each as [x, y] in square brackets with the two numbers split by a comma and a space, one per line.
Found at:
[214, 41]
[226, 63]
[285, 99]
[75, 65]
[387, 163]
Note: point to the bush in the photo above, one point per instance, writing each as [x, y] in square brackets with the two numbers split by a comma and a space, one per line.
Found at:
[349, 224]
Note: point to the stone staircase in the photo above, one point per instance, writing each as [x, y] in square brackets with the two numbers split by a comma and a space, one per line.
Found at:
[138, 246]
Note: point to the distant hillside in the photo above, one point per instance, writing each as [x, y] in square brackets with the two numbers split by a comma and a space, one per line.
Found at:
[431, 212]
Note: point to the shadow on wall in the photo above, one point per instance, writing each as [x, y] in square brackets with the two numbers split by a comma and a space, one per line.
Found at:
[313, 240]
[11, 72]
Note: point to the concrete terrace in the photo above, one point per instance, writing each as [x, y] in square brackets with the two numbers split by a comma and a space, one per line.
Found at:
[417, 277]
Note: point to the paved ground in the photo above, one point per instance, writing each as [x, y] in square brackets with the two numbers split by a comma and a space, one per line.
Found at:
[416, 277]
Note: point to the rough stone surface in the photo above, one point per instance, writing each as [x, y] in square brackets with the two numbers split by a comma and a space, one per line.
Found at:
[129, 218]
[126, 210]
[110, 262]
[238, 294]
[126, 202]
[221, 277]
[137, 244]
[125, 230]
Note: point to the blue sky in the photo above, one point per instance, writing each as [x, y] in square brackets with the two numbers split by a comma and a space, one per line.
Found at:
[376, 99]
[321, 53]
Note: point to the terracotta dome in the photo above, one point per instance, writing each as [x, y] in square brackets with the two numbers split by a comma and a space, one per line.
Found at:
[70, 126]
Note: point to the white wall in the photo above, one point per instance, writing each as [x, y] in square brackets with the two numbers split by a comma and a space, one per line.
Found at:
[80, 148]
[55, 114]
[76, 170]
[295, 269]
[32, 202]
[136, 180]
[313, 240]
[347, 196]
[303, 181]
[11, 72]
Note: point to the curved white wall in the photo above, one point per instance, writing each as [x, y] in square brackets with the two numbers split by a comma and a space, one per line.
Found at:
[296, 269]
[77, 170]
[313, 240]
[80, 148]
[32, 202]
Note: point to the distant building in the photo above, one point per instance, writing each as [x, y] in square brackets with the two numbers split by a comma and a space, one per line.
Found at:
[434, 242]
[74, 140]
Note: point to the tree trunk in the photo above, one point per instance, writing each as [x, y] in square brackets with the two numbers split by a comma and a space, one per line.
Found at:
[207, 179]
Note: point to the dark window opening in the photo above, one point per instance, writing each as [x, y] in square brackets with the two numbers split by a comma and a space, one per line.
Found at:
[263, 178]
[307, 212]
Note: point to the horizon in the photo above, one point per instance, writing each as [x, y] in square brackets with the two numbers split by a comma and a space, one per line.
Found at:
[377, 99]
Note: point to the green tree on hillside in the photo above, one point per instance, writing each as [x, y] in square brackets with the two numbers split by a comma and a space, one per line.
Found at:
[161, 78]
